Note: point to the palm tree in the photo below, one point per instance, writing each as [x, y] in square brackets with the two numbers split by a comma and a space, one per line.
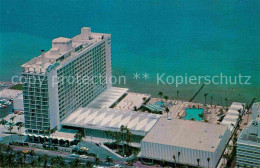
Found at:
[166, 99]
[179, 153]
[2, 154]
[12, 118]
[32, 153]
[19, 157]
[208, 159]
[226, 100]
[10, 155]
[45, 159]
[177, 94]
[160, 94]
[24, 158]
[78, 136]
[167, 111]
[205, 95]
[19, 130]
[211, 100]
[10, 128]
[52, 131]
[60, 161]
[174, 158]
[97, 161]
[3, 122]
[109, 160]
[135, 108]
[144, 100]
[89, 164]
[40, 159]
[198, 161]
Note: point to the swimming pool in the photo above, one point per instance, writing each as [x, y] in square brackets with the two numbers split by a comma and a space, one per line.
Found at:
[193, 113]
[160, 103]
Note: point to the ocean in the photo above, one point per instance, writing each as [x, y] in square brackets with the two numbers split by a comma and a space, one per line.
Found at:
[174, 38]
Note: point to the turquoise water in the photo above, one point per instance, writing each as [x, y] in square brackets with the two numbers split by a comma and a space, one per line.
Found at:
[192, 37]
[159, 103]
[193, 113]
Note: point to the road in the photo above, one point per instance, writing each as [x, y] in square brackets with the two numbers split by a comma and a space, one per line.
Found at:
[67, 158]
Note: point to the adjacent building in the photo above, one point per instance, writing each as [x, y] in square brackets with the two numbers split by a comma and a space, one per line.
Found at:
[189, 142]
[70, 75]
[248, 144]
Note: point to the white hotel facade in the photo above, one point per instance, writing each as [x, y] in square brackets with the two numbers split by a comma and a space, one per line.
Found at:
[49, 96]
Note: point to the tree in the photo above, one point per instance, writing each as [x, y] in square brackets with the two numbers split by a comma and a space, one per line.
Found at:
[32, 153]
[52, 131]
[19, 130]
[10, 128]
[135, 108]
[12, 119]
[60, 161]
[226, 100]
[179, 153]
[177, 95]
[10, 155]
[211, 100]
[144, 100]
[198, 161]
[40, 159]
[79, 137]
[109, 160]
[160, 94]
[97, 161]
[89, 164]
[166, 99]
[208, 159]
[205, 95]
[45, 159]
[19, 157]
[167, 111]
[174, 158]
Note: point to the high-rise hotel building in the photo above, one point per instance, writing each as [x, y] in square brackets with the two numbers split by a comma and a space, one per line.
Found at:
[70, 75]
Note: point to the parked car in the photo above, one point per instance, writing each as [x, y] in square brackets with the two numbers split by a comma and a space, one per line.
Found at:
[83, 156]
[74, 155]
[25, 152]
[21, 113]
[18, 123]
[16, 112]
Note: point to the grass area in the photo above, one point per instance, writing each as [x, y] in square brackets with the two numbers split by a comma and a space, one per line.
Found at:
[16, 87]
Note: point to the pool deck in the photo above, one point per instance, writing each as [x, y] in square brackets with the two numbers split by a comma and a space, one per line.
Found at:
[177, 109]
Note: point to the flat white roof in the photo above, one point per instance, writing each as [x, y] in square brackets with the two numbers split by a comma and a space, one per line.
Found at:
[186, 134]
[108, 97]
[232, 114]
[139, 123]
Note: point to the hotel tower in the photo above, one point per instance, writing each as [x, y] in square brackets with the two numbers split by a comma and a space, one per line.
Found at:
[68, 76]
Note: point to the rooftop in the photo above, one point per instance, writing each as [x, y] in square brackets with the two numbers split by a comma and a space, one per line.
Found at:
[108, 97]
[63, 49]
[186, 134]
[232, 115]
[111, 119]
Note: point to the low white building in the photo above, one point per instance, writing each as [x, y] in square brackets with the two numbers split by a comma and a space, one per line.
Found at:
[192, 140]
[18, 102]
[232, 116]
